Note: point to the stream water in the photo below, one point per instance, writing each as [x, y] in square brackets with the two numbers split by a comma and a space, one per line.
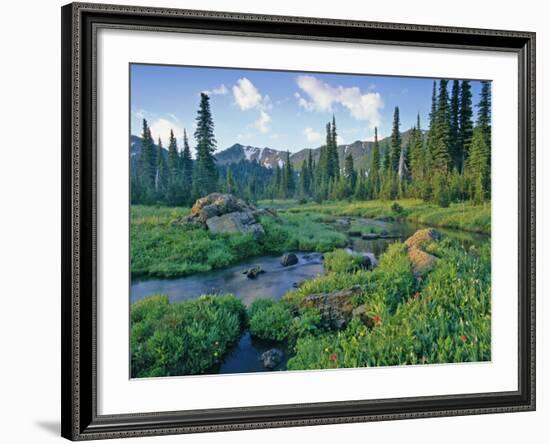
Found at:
[275, 282]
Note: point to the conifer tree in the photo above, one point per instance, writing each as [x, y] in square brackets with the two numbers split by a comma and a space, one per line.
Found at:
[466, 125]
[416, 150]
[350, 175]
[230, 185]
[454, 126]
[147, 162]
[288, 177]
[207, 172]
[431, 128]
[304, 179]
[161, 178]
[395, 143]
[374, 173]
[477, 166]
[440, 156]
[334, 163]
[484, 118]
[186, 167]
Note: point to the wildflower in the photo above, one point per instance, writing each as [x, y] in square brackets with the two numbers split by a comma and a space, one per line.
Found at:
[463, 338]
[215, 353]
[333, 357]
[417, 295]
[377, 319]
[326, 349]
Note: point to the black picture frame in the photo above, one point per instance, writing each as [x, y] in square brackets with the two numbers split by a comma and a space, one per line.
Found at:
[80, 22]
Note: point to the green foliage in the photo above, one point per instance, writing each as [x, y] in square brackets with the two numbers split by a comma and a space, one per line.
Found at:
[162, 249]
[269, 320]
[206, 177]
[340, 261]
[182, 339]
[447, 320]
[396, 208]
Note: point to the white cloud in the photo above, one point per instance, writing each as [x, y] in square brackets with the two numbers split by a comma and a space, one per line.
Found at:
[311, 135]
[320, 96]
[161, 128]
[263, 121]
[340, 140]
[246, 95]
[219, 91]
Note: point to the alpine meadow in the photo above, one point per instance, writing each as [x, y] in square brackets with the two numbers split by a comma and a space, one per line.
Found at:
[287, 220]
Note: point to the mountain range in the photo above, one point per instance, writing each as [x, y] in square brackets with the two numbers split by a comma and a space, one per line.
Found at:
[270, 158]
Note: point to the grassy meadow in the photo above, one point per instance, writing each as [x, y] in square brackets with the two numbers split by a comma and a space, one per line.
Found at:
[444, 316]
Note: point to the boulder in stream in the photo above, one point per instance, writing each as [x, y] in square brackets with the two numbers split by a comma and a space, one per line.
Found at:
[272, 358]
[289, 259]
[253, 272]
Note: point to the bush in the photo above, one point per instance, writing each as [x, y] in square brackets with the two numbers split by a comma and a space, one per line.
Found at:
[182, 339]
[396, 208]
[340, 261]
[269, 320]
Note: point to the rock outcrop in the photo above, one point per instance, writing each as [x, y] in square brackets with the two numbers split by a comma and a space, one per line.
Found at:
[336, 308]
[422, 261]
[225, 213]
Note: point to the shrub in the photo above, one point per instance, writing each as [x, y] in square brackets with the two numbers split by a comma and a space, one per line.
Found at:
[182, 339]
[396, 208]
[270, 320]
[340, 261]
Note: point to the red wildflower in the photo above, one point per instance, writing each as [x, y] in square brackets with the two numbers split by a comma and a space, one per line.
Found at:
[463, 338]
[377, 320]
[333, 357]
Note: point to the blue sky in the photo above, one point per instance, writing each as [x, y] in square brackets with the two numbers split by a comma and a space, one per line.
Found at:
[279, 109]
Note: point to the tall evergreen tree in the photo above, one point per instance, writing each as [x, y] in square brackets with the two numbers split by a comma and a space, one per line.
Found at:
[484, 111]
[186, 166]
[334, 163]
[374, 173]
[350, 175]
[147, 161]
[440, 156]
[161, 177]
[431, 128]
[288, 177]
[304, 179]
[395, 143]
[477, 166]
[207, 172]
[416, 149]
[454, 126]
[466, 125]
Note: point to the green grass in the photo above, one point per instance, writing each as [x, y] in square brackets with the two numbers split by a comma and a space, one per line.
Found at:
[161, 249]
[444, 318]
[182, 339]
[463, 216]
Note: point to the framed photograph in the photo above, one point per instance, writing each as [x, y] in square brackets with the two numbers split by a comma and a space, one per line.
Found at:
[281, 221]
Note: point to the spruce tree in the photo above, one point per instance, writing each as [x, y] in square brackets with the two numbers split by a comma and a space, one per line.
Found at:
[395, 143]
[230, 185]
[334, 163]
[147, 161]
[440, 156]
[416, 150]
[350, 175]
[374, 173]
[477, 166]
[288, 175]
[484, 118]
[431, 128]
[454, 126]
[161, 179]
[207, 172]
[186, 167]
[466, 125]
[304, 179]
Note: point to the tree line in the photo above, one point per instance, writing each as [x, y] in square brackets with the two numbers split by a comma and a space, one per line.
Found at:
[448, 162]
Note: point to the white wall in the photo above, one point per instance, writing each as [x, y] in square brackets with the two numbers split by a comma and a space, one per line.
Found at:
[30, 232]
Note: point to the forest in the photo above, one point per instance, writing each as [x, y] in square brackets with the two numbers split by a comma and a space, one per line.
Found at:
[448, 162]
